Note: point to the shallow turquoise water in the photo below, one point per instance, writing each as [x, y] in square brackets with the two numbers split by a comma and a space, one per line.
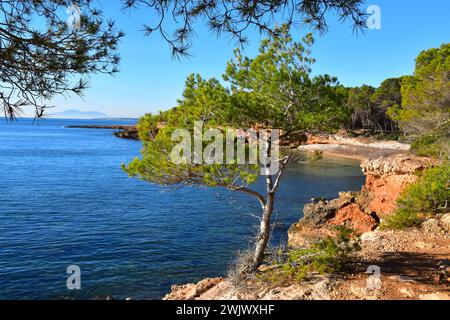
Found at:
[65, 201]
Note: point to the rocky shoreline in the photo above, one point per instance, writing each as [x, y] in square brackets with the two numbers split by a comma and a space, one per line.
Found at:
[125, 131]
[339, 145]
[358, 148]
[414, 264]
[386, 178]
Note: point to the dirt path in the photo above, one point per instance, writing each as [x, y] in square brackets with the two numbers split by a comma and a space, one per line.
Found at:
[413, 264]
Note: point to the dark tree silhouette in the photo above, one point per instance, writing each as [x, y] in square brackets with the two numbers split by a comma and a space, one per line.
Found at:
[234, 17]
[43, 54]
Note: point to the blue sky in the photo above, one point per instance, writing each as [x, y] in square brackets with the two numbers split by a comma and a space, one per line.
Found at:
[150, 80]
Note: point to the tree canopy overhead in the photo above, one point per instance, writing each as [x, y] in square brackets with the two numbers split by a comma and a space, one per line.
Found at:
[176, 20]
[43, 55]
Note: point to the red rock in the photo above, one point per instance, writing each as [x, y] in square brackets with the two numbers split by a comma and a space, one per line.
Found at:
[192, 291]
[318, 139]
[303, 236]
[353, 217]
[384, 191]
[386, 178]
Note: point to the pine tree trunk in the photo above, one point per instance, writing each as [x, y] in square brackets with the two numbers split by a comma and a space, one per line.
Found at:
[264, 233]
[267, 205]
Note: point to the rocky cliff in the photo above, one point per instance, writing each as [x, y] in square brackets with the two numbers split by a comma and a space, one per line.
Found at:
[386, 178]
[414, 264]
[421, 256]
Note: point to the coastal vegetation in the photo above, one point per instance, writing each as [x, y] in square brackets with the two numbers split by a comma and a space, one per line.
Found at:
[414, 108]
[370, 105]
[276, 89]
[429, 196]
[424, 117]
[44, 54]
[329, 255]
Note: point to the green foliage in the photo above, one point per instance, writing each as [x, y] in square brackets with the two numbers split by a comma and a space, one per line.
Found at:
[203, 100]
[429, 195]
[431, 145]
[393, 136]
[359, 98]
[425, 109]
[370, 106]
[42, 56]
[388, 94]
[402, 219]
[177, 21]
[330, 255]
[276, 87]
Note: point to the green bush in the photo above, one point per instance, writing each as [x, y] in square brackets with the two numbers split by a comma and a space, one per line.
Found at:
[429, 195]
[431, 145]
[391, 136]
[330, 255]
[401, 219]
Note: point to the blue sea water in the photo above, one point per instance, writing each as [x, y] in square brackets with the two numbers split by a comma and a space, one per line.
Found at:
[64, 200]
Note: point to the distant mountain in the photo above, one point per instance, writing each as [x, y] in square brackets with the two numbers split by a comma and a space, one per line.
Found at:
[77, 114]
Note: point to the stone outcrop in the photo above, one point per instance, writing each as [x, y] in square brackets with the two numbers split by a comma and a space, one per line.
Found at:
[94, 126]
[132, 134]
[222, 289]
[387, 178]
[322, 217]
[192, 291]
[399, 164]
[439, 224]
[319, 139]
[125, 131]
[293, 140]
[415, 264]
[353, 217]
[445, 222]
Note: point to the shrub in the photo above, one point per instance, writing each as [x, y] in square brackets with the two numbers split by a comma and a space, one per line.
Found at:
[401, 219]
[330, 255]
[391, 136]
[430, 145]
[429, 195]
[237, 273]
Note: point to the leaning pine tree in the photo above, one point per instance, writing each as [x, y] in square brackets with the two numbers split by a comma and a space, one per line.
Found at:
[273, 90]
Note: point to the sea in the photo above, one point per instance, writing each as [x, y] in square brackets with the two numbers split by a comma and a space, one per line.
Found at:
[65, 202]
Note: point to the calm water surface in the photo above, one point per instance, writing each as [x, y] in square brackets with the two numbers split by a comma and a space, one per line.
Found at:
[64, 200]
